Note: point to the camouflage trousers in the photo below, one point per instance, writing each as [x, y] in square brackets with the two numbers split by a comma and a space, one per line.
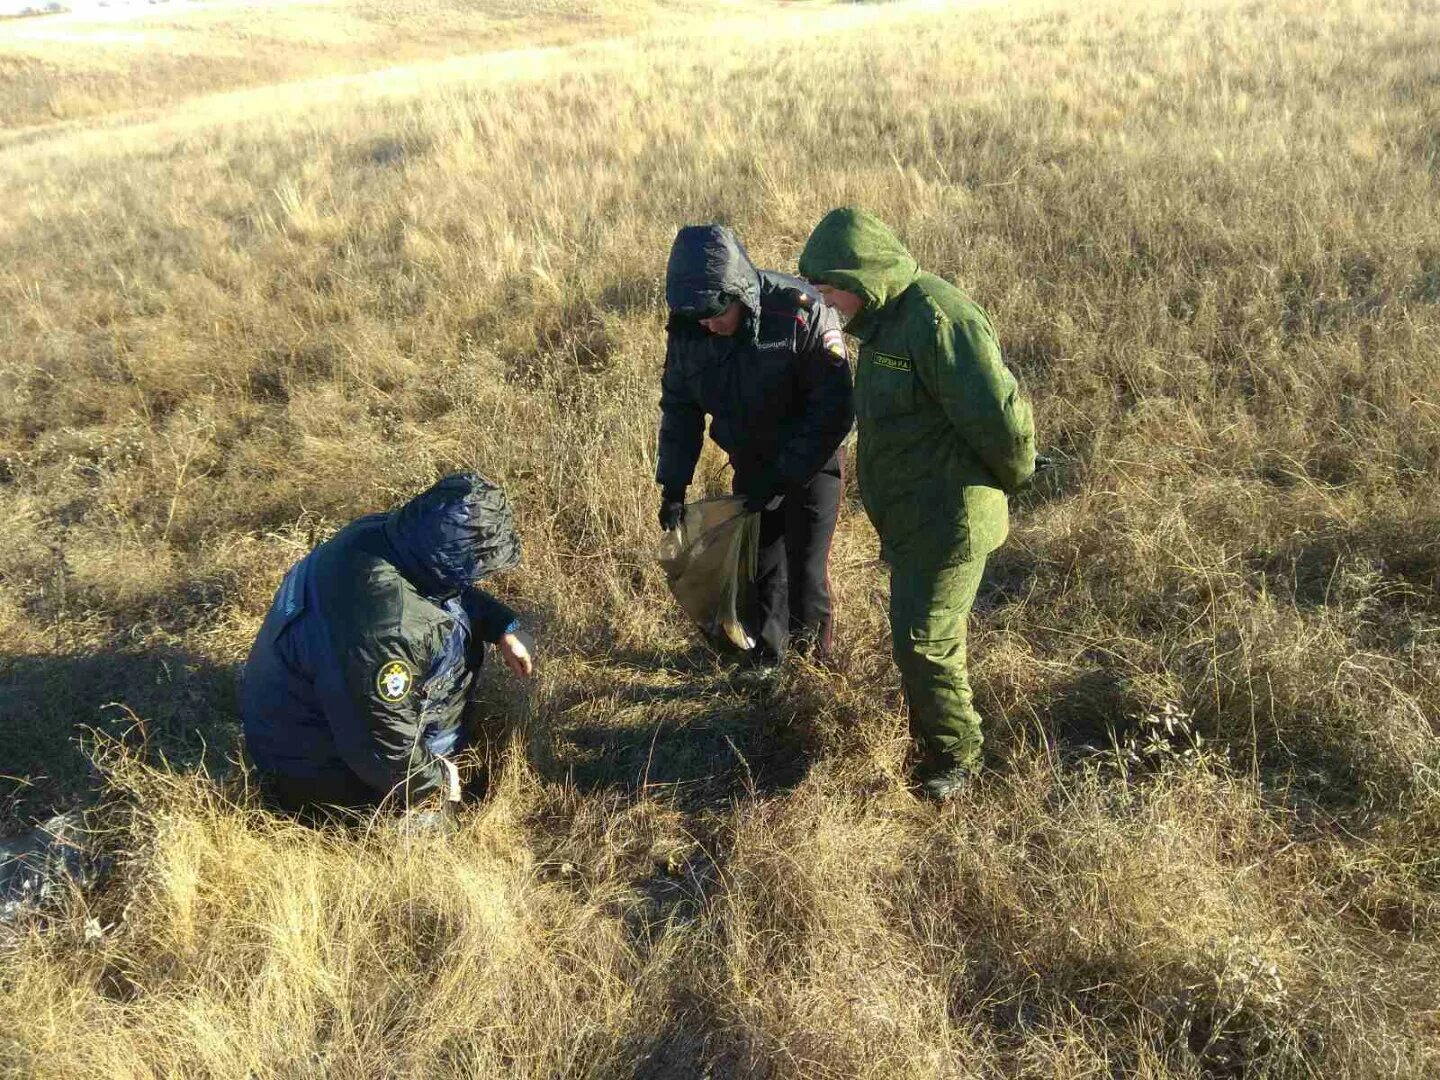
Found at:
[929, 616]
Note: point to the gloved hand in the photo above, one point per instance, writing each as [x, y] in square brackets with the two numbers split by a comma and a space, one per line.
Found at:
[1043, 463]
[672, 511]
[755, 503]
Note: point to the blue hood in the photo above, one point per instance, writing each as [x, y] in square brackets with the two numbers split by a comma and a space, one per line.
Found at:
[455, 533]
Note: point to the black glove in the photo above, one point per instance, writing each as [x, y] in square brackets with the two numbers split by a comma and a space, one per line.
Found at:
[672, 510]
[1043, 463]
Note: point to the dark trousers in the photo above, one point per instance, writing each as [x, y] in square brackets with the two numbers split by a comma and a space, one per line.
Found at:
[319, 797]
[792, 576]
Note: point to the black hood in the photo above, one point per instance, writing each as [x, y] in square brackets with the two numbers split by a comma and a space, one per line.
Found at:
[453, 534]
[708, 264]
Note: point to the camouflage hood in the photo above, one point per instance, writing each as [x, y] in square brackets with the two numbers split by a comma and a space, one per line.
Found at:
[855, 251]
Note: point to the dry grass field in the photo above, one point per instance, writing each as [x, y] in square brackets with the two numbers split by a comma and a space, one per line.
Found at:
[1208, 843]
[114, 63]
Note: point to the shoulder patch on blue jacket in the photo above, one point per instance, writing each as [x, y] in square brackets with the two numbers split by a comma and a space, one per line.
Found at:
[394, 681]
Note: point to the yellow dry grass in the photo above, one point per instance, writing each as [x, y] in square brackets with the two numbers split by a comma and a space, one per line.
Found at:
[123, 63]
[1206, 234]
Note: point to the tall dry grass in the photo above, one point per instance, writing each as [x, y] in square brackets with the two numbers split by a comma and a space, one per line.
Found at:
[1208, 655]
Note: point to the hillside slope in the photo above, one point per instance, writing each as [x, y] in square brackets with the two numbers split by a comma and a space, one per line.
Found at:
[97, 62]
[1208, 656]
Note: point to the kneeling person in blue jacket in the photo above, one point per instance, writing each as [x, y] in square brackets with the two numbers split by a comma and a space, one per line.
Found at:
[354, 691]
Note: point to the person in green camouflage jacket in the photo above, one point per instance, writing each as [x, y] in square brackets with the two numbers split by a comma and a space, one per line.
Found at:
[944, 436]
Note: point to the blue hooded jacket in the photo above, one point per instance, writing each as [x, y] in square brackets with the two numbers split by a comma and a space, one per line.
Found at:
[367, 655]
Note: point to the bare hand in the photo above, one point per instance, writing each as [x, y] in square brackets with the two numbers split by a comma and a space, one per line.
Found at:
[516, 656]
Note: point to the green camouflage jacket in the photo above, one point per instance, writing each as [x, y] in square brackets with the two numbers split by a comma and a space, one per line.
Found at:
[944, 431]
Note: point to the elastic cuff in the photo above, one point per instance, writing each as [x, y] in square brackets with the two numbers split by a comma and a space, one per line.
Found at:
[512, 628]
[497, 623]
[673, 494]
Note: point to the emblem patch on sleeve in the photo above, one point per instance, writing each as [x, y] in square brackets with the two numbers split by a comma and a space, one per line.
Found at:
[394, 681]
[834, 342]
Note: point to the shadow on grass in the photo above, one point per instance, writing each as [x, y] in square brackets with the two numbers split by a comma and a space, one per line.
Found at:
[1381, 564]
[1123, 720]
[679, 721]
[187, 704]
[697, 1038]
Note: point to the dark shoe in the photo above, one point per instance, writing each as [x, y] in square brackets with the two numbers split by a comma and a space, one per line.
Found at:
[943, 786]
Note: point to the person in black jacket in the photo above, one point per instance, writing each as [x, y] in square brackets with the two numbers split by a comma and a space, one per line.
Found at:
[765, 358]
[356, 685]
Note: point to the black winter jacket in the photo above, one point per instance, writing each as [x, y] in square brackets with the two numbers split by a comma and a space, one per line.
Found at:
[367, 655]
[778, 392]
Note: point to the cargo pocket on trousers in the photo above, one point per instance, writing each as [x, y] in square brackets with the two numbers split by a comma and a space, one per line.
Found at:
[936, 626]
[933, 605]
